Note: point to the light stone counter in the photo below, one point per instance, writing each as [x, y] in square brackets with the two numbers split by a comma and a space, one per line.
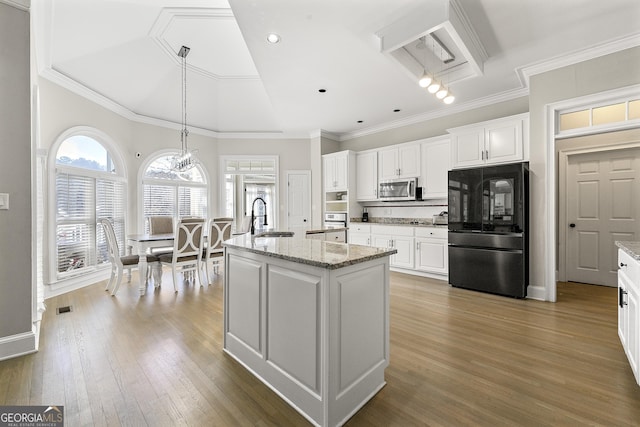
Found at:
[631, 248]
[318, 253]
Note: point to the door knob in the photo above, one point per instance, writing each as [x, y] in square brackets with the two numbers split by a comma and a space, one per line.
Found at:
[572, 225]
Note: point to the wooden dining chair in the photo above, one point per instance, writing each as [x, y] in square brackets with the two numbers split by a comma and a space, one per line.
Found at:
[119, 263]
[187, 250]
[213, 252]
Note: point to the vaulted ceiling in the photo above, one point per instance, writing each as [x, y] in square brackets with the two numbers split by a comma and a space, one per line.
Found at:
[365, 54]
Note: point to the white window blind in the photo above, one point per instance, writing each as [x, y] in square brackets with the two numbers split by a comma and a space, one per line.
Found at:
[81, 202]
[110, 197]
[74, 222]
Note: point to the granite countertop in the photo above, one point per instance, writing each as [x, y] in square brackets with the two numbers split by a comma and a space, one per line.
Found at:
[408, 222]
[631, 248]
[329, 255]
[326, 230]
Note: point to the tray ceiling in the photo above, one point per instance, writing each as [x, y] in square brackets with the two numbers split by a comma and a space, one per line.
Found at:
[123, 54]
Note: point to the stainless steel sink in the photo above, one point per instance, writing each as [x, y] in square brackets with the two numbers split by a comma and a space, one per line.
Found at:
[275, 234]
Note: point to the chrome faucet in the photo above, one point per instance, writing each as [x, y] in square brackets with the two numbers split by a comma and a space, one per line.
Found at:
[253, 216]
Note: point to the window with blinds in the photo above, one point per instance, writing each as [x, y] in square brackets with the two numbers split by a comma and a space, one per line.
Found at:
[177, 194]
[87, 189]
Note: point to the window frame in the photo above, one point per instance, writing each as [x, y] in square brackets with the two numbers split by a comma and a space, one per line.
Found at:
[142, 181]
[119, 176]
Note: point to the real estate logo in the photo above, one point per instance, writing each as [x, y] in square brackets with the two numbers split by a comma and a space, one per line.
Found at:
[31, 416]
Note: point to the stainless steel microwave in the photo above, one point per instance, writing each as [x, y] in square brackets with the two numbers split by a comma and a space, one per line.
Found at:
[398, 189]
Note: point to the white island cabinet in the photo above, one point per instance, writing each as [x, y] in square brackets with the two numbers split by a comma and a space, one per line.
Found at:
[629, 302]
[310, 319]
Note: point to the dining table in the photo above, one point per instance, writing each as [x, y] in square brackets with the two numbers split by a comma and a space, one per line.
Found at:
[141, 244]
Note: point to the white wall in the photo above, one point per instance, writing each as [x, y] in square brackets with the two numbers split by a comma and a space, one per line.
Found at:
[16, 278]
[590, 77]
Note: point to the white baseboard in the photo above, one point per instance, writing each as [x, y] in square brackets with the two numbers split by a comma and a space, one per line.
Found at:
[536, 292]
[71, 284]
[19, 344]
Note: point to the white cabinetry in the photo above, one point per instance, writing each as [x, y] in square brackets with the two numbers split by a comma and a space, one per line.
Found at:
[396, 237]
[399, 161]
[339, 176]
[497, 141]
[367, 175]
[360, 234]
[436, 159]
[629, 309]
[335, 168]
[426, 254]
[431, 250]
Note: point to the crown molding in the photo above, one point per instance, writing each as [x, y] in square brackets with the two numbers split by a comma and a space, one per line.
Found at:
[107, 103]
[443, 112]
[18, 4]
[564, 60]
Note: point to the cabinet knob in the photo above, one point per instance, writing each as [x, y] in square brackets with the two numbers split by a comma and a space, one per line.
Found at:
[622, 264]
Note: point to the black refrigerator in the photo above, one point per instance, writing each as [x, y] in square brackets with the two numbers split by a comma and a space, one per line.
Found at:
[489, 229]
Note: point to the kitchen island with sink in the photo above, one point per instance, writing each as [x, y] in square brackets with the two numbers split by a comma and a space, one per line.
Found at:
[310, 319]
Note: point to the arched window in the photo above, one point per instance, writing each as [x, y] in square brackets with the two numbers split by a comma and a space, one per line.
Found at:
[89, 186]
[178, 194]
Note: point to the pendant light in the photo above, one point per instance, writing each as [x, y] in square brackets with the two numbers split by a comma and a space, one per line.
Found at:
[186, 159]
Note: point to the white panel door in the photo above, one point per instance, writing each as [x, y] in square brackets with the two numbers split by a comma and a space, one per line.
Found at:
[602, 207]
[299, 200]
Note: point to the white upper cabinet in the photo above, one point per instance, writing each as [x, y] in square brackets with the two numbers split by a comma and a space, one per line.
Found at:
[496, 141]
[336, 171]
[399, 161]
[367, 175]
[436, 159]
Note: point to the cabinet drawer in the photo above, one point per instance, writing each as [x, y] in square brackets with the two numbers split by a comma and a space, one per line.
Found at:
[431, 232]
[359, 228]
[394, 230]
[629, 265]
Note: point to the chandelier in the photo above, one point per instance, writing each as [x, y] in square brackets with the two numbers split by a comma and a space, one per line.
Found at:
[186, 159]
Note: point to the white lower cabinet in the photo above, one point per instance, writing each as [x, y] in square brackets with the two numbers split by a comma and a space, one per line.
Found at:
[629, 309]
[359, 234]
[396, 237]
[360, 239]
[432, 250]
[421, 250]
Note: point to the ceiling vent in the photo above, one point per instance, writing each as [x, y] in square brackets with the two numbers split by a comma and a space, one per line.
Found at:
[436, 38]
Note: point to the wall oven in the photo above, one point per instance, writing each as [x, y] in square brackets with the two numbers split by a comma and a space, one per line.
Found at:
[335, 220]
[398, 189]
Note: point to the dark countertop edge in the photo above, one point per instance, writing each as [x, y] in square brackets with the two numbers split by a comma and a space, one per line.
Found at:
[329, 266]
[631, 248]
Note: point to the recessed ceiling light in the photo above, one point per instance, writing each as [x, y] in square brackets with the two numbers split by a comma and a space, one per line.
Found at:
[273, 38]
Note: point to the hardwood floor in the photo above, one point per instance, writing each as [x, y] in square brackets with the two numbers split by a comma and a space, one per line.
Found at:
[457, 358]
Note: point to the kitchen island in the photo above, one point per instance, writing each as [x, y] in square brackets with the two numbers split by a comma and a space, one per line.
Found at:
[310, 319]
